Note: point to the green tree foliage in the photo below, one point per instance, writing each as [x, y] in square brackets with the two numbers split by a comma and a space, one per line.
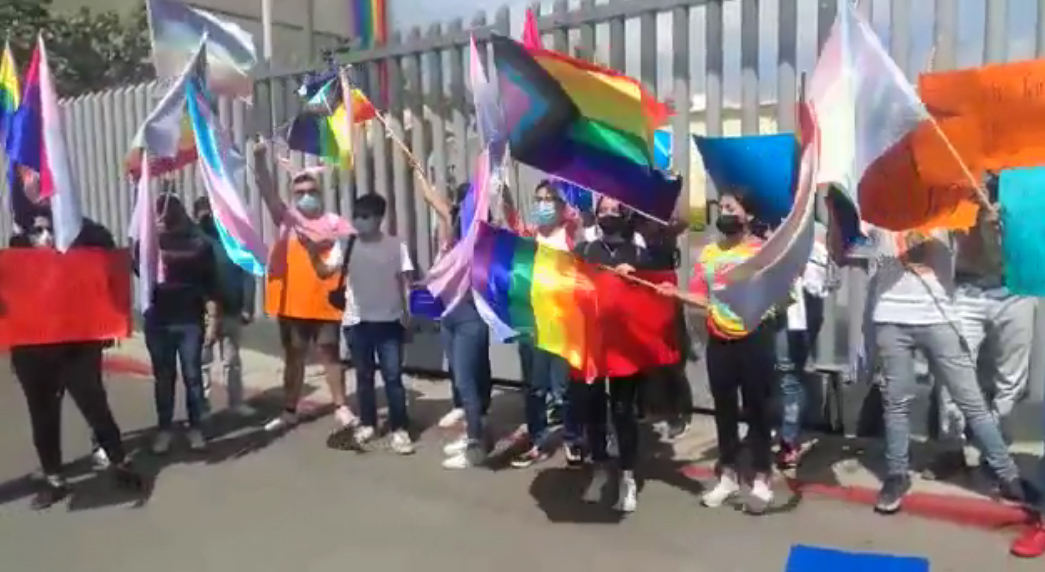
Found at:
[88, 51]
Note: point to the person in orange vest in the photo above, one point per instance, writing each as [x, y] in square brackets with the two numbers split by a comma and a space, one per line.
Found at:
[301, 301]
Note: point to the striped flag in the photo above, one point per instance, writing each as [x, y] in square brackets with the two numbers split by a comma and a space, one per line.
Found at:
[143, 233]
[37, 142]
[239, 236]
[176, 31]
[10, 90]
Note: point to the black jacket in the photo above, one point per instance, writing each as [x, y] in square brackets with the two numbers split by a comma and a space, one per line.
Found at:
[607, 254]
[189, 277]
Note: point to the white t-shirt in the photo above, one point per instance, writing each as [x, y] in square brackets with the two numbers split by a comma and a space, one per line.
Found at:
[373, 290]
[917, 296]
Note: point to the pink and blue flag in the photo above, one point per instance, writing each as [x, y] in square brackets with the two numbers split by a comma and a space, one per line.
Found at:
[239, 236]
[36, 141]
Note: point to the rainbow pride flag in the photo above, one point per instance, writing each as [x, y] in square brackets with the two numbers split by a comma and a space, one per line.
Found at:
[524, 289]
[327, 135]
[562, 304]
[584, 123]
[10, 90]
[369, 25]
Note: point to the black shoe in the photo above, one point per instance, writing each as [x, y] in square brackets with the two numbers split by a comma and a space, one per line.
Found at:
[52, 493]
[555, 415]
[891, 496]
[575, 455]
[677, 428]
[945, 466]
[1018, 491]
[532, 456]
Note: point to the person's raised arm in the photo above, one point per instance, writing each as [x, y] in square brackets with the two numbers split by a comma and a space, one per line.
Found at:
[267, 184]
[445, 224]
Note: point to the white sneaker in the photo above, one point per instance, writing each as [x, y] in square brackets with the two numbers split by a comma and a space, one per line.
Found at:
[284, 421]
[401, 443]
[162, 443]
[363, 434]
[100, 459]
[760, 497]
[472, 456]
[628, 494]
[452, 418]
[456, 447]
[344, 417]
[726, 487]
[196, 440]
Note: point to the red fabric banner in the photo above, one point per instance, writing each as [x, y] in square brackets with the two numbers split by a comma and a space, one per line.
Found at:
[636, 325]
[47, 297]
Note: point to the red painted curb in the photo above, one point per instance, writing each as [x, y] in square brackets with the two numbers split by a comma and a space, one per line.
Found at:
[979, 513]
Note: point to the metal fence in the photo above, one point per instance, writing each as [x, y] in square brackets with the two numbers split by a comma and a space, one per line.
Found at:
[729, 66]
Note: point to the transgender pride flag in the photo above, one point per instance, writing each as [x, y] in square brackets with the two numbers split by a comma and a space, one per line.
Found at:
[239, 237]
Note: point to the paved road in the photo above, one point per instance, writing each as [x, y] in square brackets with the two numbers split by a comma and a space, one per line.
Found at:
[293, 504]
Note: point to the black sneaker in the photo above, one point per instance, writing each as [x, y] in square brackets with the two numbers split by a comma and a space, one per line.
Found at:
[531, 457]
[575, 455]
[555, 415]
[891, 496]
[1017, 491]
[53, 491]
[945, 466]
[677, 428]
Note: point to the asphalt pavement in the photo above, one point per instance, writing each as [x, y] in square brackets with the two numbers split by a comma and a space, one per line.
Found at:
[254, 503]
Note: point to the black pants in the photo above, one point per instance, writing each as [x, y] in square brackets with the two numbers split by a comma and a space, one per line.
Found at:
[46, 373]
[623, 396]
[746, 366]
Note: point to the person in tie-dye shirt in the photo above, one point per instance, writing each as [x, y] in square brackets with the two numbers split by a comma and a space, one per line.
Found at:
[740, 358]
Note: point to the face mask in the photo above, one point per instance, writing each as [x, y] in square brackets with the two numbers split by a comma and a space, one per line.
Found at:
[207, 225]
[544, 214]
[612, 225]
[43, 239]
[309, 205]
[367, 226]
[729, 224]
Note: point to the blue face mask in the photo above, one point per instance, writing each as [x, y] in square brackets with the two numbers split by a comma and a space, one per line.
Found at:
[544, 214]
[309, 205]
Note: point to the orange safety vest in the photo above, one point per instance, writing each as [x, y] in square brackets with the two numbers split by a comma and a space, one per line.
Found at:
[292, 287]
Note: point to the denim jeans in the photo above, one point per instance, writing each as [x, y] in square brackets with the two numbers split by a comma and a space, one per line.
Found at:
[376, 345]
[951, 364]
[484, 379]
[541, 372]
[794, 348]
[170, 345]
[227, 344]
[467, 339]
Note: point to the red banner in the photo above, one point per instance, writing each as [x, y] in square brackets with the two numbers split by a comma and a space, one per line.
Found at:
[47, 297]
[636, 325]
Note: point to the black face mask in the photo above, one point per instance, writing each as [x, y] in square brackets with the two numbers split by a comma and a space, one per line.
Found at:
[207, 225]
[612, 226]
[729, 224]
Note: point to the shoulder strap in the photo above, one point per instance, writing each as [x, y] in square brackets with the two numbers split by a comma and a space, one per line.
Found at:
[344, 262]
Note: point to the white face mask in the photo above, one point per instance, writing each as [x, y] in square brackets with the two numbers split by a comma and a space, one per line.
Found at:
[43, 239]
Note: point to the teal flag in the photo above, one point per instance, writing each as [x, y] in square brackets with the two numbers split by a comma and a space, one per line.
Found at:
[1022, 197]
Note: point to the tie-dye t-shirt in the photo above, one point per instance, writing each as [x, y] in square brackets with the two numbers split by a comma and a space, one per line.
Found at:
[712, 265]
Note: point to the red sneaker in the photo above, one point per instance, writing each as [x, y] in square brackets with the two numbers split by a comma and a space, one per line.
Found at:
[1031, 544]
